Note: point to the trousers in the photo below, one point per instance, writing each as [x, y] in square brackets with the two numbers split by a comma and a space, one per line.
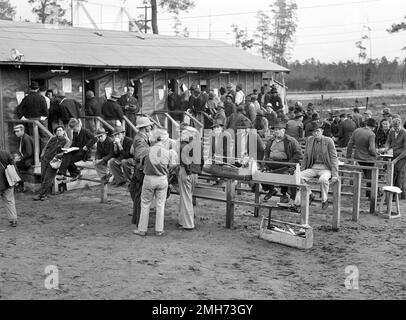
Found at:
[48, 176]
[68, 162]
[121, 169]
[186, 187]
[324, 176]
[7, 196]
[153, 187]
[135, 192]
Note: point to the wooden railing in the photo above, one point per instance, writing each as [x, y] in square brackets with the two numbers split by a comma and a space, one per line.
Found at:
[98, 120]
[37, 127]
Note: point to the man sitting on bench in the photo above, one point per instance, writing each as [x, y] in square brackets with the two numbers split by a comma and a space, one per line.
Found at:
[320, 161]
[82, 139]
[281, 148]
[104, 153]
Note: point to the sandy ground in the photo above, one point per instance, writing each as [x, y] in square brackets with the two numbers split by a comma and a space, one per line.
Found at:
[98, 257]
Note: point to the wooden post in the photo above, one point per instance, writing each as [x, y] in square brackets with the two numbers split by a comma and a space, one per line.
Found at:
[103, 192]
[257, 195]
[357, 196]
[336, 205]
[230, 195]
[36, 145]
[305, 205]
[239, 186]
[374, 190]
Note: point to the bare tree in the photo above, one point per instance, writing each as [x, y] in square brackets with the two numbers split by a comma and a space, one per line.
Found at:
[7, 11]
[177, 27]
[396, 27]
[49, 11]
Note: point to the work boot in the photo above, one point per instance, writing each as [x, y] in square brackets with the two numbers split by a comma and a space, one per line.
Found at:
[140, 233]
[270, 194]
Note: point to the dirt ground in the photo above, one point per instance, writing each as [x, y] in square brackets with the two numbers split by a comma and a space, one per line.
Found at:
[98, 257]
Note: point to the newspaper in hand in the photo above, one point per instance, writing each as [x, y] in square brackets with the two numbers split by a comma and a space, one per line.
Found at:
[69, 150]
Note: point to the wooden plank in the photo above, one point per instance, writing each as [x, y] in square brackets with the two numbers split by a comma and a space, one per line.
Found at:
[357, 196]
[230, 192]
[36, 145]
[336, 205]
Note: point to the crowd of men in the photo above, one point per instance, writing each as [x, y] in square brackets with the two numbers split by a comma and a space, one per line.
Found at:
[149, 162]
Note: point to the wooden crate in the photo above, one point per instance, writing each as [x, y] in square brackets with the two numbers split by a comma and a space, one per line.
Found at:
[300, 242]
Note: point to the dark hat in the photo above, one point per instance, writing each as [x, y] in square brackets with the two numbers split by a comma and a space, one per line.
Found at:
[386, 111]
[59, 127]
[118, 130]
[115, 94]
[279, 125]
[315, 116]
[342, 115]
[100, 132]
[230, 96]
[371, 122]
[239, 86]
[316, 125]
[34, 85]
[240, 108]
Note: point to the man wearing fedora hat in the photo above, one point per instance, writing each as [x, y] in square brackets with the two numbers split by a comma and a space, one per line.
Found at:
[122, 164]
[104, 153]
[275, 100]
[112, 112]
[141, 145]
[82, 139]
[320, 161]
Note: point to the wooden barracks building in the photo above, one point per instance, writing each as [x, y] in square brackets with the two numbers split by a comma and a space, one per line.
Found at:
[77, 59]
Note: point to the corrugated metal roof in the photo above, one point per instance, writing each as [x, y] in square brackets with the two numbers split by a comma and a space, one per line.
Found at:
[56, 45]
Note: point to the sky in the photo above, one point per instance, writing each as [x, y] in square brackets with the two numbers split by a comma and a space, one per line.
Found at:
[327, 29]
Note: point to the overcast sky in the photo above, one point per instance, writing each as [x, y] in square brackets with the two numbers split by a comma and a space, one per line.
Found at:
[327, 29]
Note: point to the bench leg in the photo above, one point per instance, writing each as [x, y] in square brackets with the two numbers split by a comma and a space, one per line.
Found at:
[384, 196]
[389, 204]
[257, 195]
[357, 197]
[397, 204]
[103, 192]
[336, 205]
[230, 195]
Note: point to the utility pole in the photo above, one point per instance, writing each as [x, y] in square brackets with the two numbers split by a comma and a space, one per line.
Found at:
[210, 25]
[146, 20]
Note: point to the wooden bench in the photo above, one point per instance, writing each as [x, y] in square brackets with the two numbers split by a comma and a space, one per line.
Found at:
[88, 166]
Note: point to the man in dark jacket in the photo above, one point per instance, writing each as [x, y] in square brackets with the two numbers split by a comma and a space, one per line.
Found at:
[275, 100]
[238, 117]
[93, 107]
[281, 148]
[345, 129]
[72, 108]
[141, 147]
[24, 156]
[52, 149]
[264, 98]
[82, 139]
[119, 165]
[7, 192]
[104, 153]
[112, 111]
[229, 106]
[34, 105]
[130, 107]
[57, 114]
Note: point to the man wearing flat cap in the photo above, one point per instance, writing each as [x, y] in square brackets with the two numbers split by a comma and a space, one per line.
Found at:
[275, 100]
[294, 127]
[220, 115]
[320, 161]
[397, 142]
[122, 164]
[141, 145]
[281, 148]
[24, 155]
